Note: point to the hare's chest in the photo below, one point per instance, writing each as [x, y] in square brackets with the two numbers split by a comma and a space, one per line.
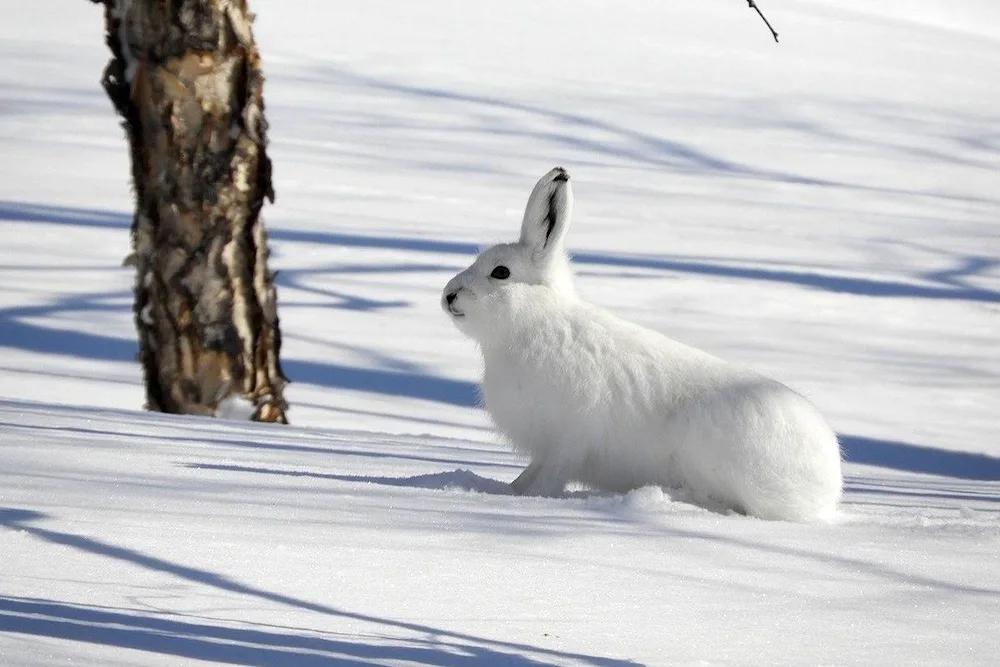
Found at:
[528, 401]
[517, 393]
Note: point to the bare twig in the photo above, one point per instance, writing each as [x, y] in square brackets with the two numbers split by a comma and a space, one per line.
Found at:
[753, 5]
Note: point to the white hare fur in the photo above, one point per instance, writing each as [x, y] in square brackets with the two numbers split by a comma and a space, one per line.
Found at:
[596, 399]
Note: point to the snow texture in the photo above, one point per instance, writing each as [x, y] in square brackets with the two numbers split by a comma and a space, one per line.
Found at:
[823, 211]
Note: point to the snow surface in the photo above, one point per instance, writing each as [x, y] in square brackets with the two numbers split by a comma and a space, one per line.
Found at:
[825, 210]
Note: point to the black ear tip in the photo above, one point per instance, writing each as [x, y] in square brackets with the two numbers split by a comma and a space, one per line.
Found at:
[561, 175]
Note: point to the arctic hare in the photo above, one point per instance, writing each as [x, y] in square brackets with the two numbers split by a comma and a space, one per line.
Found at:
[596, 399]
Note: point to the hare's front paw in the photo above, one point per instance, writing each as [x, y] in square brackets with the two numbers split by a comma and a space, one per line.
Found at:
[540, 479]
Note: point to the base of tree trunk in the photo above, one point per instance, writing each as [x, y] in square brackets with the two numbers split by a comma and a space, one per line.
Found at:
[185, 77]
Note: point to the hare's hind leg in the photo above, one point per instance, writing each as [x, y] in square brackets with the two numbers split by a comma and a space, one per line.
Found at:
[539, 479]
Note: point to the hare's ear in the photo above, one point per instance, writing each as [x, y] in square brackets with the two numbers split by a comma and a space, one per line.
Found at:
[547, 216]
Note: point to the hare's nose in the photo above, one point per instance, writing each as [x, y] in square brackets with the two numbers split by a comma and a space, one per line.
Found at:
[451, 297]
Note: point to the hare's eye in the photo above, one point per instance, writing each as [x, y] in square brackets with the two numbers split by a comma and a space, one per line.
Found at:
[500, 273]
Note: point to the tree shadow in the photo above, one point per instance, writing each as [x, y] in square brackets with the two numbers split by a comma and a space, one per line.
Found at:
[556, 129]
[276, 441]
[925, 491]
[951, 283]
[429, 646]
[221, 644]
[966, 139]
[917, 459]
[402, 384]
[18, 331]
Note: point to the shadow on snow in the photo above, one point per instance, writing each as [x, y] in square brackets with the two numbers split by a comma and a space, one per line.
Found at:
[219, 644]
[419, 644]
[949, 284]
[464, 480]
[914, 458]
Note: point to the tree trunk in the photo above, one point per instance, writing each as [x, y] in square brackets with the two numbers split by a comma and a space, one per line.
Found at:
[185, 76]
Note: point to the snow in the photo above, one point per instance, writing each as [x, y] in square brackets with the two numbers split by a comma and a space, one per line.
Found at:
[824, 210]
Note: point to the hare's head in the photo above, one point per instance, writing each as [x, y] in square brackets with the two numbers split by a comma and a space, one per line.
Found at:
[478, 299]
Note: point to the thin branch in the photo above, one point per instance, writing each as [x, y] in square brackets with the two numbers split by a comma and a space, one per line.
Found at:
[753, 5]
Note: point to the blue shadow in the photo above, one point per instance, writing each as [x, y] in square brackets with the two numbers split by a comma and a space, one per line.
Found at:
[192, 641]
[268, 647]
[948, 282]
[388, 383]
[218, 644]
[914, 458]
[404, 384]
[455, 479]
[35, 338]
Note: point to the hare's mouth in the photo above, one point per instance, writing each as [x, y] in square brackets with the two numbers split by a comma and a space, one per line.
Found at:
[455, 313]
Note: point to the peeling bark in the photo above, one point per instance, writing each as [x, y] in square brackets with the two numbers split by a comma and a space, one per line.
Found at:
[185, 76]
